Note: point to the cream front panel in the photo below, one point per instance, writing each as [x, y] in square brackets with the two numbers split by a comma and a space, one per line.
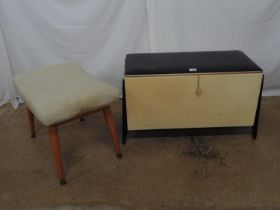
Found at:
[191, 101]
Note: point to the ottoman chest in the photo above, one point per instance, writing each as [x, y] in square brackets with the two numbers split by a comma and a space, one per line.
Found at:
[191, 90]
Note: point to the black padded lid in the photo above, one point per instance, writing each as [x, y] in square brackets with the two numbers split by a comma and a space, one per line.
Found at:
[188, 62]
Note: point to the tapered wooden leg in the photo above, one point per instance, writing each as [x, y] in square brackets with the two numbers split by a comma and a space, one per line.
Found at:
[57, 153]
[111, 125]
[31, 123]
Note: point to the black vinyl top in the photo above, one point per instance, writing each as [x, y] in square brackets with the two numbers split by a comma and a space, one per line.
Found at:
[188, 62]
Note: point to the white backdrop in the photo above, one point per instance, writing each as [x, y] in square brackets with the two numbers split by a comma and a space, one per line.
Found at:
[99, 33]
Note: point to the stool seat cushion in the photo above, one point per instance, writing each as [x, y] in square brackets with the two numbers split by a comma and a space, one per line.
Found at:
[62, 91]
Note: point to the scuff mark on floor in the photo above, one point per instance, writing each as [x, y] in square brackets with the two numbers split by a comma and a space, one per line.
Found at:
[201, 149]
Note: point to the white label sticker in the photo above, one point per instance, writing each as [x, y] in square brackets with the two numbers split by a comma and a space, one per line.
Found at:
[192, 69]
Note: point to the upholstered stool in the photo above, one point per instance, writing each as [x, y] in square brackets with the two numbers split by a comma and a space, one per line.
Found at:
[63, 92]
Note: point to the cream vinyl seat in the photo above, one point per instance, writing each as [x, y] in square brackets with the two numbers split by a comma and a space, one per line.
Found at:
[61, 92]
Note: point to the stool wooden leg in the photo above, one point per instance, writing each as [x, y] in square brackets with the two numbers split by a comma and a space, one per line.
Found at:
[31, 123]
[111, 125]
[57, 153]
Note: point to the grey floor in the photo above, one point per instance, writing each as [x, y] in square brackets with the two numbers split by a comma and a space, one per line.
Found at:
[73, 208]
[204, 172]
